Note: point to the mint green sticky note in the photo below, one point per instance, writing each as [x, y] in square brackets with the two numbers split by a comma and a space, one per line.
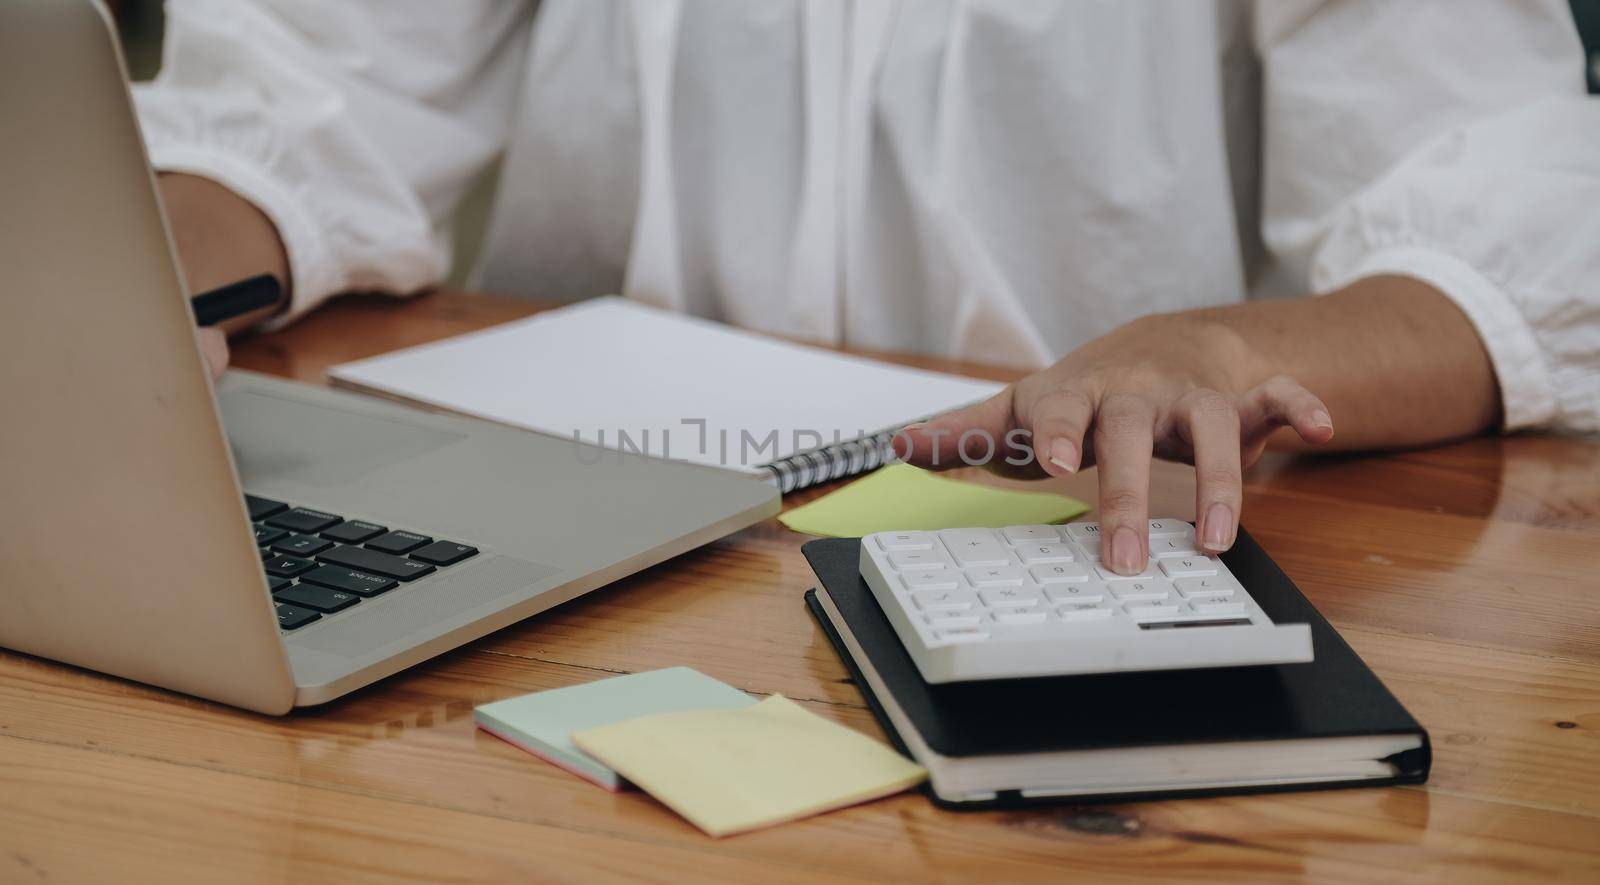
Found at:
[903, 498]
[542, 723]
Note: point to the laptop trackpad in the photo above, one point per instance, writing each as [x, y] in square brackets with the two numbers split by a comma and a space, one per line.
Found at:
[279, 438]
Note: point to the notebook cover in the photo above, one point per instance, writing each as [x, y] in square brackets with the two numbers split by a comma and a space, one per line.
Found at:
[1335, 696]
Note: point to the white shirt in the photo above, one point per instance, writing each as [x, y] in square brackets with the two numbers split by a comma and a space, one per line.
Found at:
[995, 181]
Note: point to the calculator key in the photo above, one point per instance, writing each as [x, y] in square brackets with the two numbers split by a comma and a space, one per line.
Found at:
[1009, 597]
[1166, 528]
[1035, 553]
[444, 553]
[291, 617]
[905, 560]
[374, 562]
[1074, 593]
[961, 634]
[944, 600]
[266, 534]
[301, 545]
[1084, 532]
[1126, 590]
[359, 583]
[1025, 615]
[905, 540]
[354, 531]
[973, 547]
[946, 618]
[261, 508]
[1215, 605]
[1192, 587]
[317, 598]
[1089, 551]
[1059, 573]
[1150, 607]
[1189, 567]
[304, 520]
[1149, 573]
[1164, 548]
[1032, 534]
[398, 542]
[287, 566]
[1085, 611]
[997, 576]
[930, 579]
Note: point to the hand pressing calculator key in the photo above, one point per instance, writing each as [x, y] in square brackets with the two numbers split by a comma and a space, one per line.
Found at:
[1034, 600]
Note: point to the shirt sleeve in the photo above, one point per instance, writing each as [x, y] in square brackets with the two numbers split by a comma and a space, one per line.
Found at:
[1454, 145]
[356, 127]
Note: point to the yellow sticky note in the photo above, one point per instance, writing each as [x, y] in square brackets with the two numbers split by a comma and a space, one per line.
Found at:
[905, 498]
[730, 771]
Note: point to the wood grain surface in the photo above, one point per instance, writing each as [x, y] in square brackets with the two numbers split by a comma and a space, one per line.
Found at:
[1467, 576]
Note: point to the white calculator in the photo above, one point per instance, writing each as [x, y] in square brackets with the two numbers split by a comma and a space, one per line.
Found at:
[1035, 600]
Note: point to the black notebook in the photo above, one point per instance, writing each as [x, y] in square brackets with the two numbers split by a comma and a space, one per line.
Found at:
[1329, 723]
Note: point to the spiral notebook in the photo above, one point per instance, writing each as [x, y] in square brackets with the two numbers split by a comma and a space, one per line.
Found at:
[633, 378]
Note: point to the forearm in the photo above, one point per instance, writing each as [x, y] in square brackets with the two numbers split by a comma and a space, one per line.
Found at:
[222, 238]
[1394, 360]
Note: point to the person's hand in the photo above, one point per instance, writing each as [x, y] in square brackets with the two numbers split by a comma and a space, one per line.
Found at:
[1171, 386]
[214, 347]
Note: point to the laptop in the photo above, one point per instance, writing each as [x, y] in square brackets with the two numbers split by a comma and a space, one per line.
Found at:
[259, 543]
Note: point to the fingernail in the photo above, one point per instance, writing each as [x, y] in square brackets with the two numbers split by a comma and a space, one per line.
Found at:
[1218, 527]
[1064, 454]
[1127, 554]
[917, 426]
[1322, 419]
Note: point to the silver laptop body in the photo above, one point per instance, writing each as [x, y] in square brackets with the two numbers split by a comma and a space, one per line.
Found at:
[125, 544]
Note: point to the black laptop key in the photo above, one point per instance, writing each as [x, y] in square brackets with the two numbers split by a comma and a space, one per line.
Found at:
[292, 616]
[444, 553]
[276, 584]
[304, 520]
[354, 531]
[398, 542]
[321, 599]
[374, 562]
[337, 578]
[261, 508]
[266, 534]
[288, 566]
[302, 545]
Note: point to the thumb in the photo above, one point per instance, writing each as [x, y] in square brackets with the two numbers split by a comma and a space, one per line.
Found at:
[214, 347]
[938, 444]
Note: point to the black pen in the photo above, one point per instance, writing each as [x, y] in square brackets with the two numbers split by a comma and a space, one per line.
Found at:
[235, 299]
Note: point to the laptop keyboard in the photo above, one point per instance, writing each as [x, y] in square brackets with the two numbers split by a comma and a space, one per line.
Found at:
[318, 563]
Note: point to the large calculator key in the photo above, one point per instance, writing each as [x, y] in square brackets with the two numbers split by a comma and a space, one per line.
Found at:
[1032, 534]
[973, 547]
[359, 583]
[1151, 607]
[943, 600]
[444, 553]
[1215, 605]
[1060, 594]
[1060, 573]
[930, 579]
[1085, 611]
[261, 508]
[997, 576]
[1164, 548]
[946, 618]
[1126, 590]
[291, 617]
[1189, 567]
[1037, 553]
[1009, 597]
[1084, 532]
[375, 563]
[1027, 615]
[905, 540]
[354, 531]
[910, 560]
[398, 542]
[1192, 587]
[304, 520]
[287, 566]
[1166, 528]
[961, 634]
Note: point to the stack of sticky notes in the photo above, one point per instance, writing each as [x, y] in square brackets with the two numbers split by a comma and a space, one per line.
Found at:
[902, 498]
[704, 749]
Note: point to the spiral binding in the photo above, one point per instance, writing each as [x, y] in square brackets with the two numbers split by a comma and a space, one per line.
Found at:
[831, 462]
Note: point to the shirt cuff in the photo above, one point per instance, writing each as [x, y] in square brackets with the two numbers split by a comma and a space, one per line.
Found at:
[1527, 392]
[313, 274]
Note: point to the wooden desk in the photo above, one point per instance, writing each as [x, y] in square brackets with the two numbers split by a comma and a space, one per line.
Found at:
[1468, 577]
